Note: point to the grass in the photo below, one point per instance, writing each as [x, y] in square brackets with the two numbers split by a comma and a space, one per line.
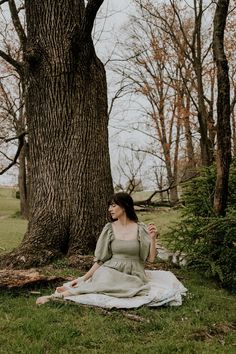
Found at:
[12, 228]
[9, 205]
[204, 324]
[164, 218]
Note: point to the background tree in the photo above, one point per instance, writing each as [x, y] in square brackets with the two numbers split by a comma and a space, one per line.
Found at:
[13, 115]
[13, 132]
[66, 108]
[128, 173]
[223, 109]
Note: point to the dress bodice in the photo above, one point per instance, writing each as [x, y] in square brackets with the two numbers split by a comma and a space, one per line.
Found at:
[126, 249]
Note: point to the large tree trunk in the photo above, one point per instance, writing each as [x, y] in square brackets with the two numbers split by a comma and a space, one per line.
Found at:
[66, 104]
[223, 110]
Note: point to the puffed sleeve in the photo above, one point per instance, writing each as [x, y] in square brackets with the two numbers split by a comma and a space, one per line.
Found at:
[144, 241]
[103, 248]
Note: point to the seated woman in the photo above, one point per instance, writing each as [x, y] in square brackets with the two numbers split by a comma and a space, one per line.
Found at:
[118, 272]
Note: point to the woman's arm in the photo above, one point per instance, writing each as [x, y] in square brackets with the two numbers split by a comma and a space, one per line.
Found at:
[91, 271]
[87, 275]
[152, 231]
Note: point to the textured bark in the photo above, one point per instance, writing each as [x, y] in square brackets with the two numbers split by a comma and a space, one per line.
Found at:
[234, 132]
[223, 109]
[22, 182]
[66, 106]
[21, 125]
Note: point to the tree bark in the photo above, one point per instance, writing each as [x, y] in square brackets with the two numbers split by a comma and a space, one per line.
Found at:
[21, 127]
[223, 109]
[191, 163]
[66, 106]
[15, 279]
[22, 182]
[234, 132]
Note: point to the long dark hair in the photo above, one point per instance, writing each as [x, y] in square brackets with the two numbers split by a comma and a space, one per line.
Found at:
[124, 200]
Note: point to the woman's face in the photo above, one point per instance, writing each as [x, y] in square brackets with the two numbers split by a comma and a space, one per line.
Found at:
[116, 211]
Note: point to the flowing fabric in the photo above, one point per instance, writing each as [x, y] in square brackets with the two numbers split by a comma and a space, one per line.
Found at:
[121, 281]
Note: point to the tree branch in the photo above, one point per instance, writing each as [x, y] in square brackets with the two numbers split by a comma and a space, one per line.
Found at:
[5, 155]
[10, 60]
[20, 146]
[16, 21]
[90, 14]
[20, 136]
[3, 1]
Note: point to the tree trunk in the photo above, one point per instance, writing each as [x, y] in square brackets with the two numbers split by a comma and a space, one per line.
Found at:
[66, 106]
[223, 110]
[191, 163]
[205, 144]
[22, 182]
[167, 156]
[234, 132]
[23, 157]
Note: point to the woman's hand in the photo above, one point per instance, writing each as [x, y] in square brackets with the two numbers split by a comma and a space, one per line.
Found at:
[74, 283]
[152, 231]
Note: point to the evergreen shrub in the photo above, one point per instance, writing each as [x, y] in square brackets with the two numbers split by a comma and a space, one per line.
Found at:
[208, 241]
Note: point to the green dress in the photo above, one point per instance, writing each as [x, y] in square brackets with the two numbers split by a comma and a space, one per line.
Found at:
[122, 271]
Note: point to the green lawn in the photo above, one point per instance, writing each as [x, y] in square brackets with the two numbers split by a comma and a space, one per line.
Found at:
[9, 205]
[204, 324]
[12, 228]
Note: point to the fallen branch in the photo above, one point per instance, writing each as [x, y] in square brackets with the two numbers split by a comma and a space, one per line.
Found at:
[10, 279]
[135, 318]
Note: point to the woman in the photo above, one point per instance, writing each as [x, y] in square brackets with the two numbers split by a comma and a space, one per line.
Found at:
[121, 251]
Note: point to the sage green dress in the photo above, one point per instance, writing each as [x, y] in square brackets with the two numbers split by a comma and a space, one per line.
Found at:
[122, 271]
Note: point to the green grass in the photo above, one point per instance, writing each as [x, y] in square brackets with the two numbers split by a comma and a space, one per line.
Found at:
[204, 324]
[164, 218]
[11, 233]
[9, 205]
[12, 228]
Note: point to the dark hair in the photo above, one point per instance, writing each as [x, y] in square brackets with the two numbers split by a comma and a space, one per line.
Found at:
[124, 200]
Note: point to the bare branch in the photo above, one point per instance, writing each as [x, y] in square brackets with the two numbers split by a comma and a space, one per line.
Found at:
[20, 146]
[16, 21]
[17, 65]
[146, 151]
[20, 136]
[5, 155]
